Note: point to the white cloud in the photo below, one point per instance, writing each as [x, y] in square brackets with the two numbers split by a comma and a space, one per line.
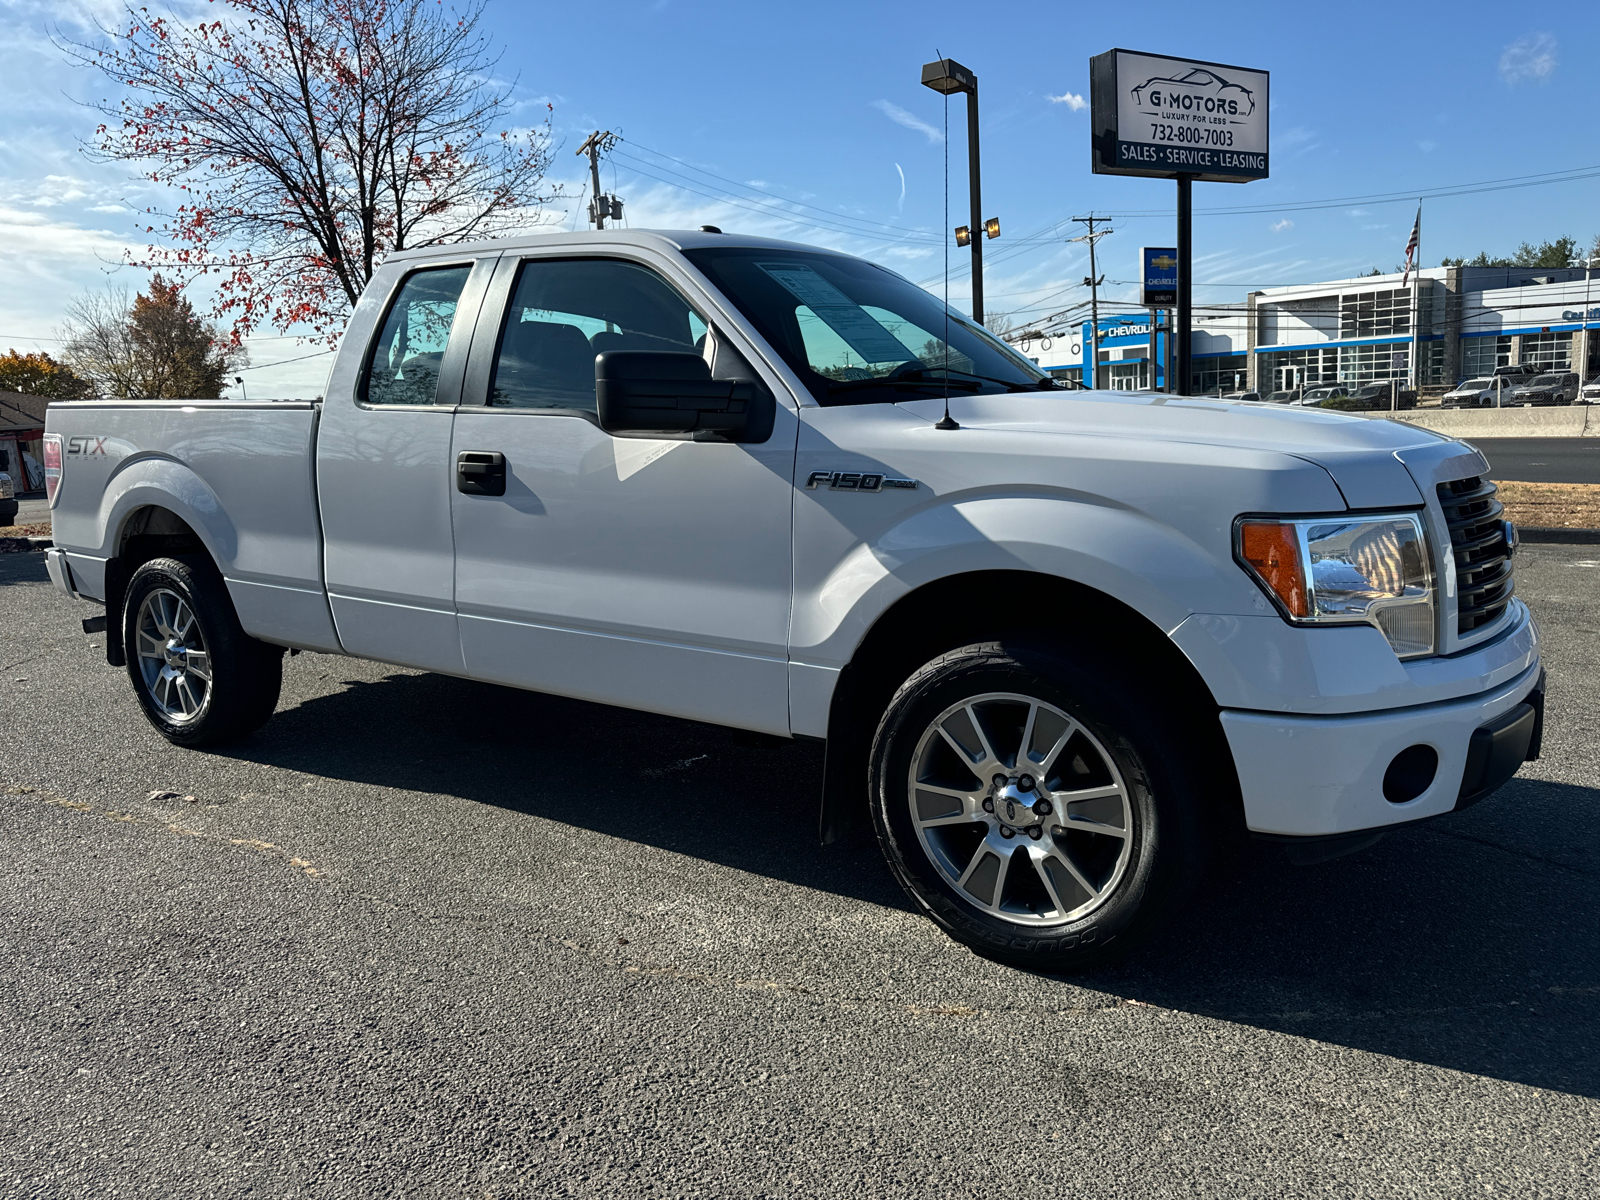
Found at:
[902, 203]
[1075, 102]
[901, 117]
[1532, 56]
[1281, 226]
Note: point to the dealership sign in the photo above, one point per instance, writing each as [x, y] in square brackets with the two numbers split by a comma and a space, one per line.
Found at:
[1158, 277]
[1155, 115]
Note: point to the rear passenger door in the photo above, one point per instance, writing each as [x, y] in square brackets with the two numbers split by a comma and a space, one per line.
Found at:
[383, 464]
[651, 572]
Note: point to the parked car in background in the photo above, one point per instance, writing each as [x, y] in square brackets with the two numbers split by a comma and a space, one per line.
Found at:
[1472, 393]
[1285, 397]
[8, 499]
[1383, 395]
[1519, 372]
[1252, 396]
[1547, 389]
[1317, 396]
[1590, 393]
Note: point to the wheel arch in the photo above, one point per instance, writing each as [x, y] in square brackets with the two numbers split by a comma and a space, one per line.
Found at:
[143, 532]
[991, 605]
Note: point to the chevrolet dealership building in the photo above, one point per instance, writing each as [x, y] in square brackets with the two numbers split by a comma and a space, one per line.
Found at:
[1468, 320]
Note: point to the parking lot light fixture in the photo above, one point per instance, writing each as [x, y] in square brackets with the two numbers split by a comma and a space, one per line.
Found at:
[945, 77]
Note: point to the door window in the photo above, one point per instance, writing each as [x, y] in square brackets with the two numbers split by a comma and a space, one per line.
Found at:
[406, 358]
[563, 312]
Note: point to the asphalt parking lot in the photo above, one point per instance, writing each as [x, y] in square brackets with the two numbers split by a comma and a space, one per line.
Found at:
[426, 937]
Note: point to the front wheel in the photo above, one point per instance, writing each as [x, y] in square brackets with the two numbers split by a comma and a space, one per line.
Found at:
[1037, 806]
[200, 678]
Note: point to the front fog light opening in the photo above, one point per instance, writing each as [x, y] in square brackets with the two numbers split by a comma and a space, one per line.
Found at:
[1372, 570]
[1410, 774]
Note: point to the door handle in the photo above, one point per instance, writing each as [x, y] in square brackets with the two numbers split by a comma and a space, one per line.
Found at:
[481, 473]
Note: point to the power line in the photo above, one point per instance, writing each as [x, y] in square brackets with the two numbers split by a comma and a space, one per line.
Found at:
[763, 191]
[771, 210]
[1571, 175]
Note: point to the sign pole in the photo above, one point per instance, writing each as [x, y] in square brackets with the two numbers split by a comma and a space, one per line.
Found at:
[1153, 313]
[1185, 258]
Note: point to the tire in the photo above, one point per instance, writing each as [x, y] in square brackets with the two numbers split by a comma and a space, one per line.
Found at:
[199, 677]
[1036, 893]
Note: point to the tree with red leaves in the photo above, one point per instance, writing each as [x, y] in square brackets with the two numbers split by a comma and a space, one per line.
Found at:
[307, 139]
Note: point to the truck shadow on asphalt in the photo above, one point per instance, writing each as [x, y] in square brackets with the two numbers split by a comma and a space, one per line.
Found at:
[1469, 942]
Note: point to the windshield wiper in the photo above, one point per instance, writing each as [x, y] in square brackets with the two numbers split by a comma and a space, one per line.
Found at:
[904, 379]
[1044, 385]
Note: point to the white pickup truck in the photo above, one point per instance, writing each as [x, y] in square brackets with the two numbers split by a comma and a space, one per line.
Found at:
[1063, 646]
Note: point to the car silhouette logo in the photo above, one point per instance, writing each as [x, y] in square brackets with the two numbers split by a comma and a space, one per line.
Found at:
[1198, 90]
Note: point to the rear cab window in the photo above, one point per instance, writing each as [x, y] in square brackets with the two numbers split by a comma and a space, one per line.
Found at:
[404, 363]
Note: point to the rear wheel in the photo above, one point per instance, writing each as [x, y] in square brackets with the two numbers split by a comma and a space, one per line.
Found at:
[1039, 808]
[199, 677]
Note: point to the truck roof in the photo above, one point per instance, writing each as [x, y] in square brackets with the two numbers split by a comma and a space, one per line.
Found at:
[656, 239]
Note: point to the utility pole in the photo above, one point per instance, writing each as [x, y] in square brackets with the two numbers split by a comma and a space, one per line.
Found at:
[1093, 281]
[601, 206]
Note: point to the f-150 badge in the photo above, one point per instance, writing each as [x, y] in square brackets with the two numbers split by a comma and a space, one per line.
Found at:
[856, 481]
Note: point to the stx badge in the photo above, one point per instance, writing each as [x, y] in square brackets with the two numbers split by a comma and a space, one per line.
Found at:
[856, 481]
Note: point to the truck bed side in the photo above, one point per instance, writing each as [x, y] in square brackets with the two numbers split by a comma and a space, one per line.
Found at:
[238, 475]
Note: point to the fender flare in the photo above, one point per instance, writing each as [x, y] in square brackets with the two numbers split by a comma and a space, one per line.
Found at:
[153, 480]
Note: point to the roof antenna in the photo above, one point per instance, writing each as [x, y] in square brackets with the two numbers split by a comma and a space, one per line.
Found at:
[947, 422]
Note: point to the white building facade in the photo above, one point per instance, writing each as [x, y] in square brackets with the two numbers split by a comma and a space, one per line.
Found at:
[1457, 321]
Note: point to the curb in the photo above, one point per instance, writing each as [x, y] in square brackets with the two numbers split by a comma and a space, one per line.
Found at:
[22, 545]
[1558, 535]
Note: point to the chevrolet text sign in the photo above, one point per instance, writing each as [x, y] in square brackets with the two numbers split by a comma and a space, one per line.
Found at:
[1155, 115]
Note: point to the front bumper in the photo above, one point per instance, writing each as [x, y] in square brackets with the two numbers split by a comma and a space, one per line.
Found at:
[1321, 776]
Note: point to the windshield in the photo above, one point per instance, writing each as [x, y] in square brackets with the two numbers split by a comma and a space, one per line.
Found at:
[857, 334]
[1546, 381]
[1475, 385]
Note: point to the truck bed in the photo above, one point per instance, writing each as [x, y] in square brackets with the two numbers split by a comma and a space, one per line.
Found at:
[239, 474]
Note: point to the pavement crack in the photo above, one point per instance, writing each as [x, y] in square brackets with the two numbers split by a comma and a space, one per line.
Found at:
[43, 796]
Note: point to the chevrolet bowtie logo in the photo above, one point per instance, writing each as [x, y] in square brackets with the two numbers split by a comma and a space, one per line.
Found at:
[1166, 262]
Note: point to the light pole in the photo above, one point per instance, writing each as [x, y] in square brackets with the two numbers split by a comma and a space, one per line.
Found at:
[944, 77]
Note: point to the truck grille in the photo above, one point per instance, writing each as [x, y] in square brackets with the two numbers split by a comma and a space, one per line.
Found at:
[1484, 580]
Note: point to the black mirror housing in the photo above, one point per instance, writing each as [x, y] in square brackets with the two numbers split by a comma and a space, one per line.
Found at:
[670, 392]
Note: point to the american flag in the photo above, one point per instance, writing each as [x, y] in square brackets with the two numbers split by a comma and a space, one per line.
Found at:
[1412, 243]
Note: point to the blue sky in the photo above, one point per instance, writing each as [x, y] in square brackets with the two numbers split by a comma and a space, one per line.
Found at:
[808, 121]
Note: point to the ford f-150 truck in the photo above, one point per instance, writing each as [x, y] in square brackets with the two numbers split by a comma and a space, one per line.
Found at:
[1063, 646]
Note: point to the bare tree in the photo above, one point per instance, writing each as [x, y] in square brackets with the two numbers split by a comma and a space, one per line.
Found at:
[98, 342]
[153, 347]
[307, 139]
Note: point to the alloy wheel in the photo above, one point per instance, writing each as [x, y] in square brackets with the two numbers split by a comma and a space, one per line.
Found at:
[1021, 809]
[173, 660]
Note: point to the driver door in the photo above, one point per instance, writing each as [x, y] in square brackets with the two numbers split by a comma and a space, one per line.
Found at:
[651, 572]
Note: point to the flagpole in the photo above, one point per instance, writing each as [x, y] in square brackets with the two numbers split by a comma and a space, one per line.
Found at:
[1416, 314]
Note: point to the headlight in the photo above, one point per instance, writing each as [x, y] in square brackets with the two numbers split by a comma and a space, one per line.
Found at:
[1346, 571]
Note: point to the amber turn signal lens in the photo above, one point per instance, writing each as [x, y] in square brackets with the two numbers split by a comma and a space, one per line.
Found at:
[1273, 552]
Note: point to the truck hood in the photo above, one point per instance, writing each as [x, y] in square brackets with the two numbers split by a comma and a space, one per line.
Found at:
[1363, 454]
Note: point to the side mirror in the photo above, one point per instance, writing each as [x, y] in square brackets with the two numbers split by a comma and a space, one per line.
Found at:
[661, 392]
